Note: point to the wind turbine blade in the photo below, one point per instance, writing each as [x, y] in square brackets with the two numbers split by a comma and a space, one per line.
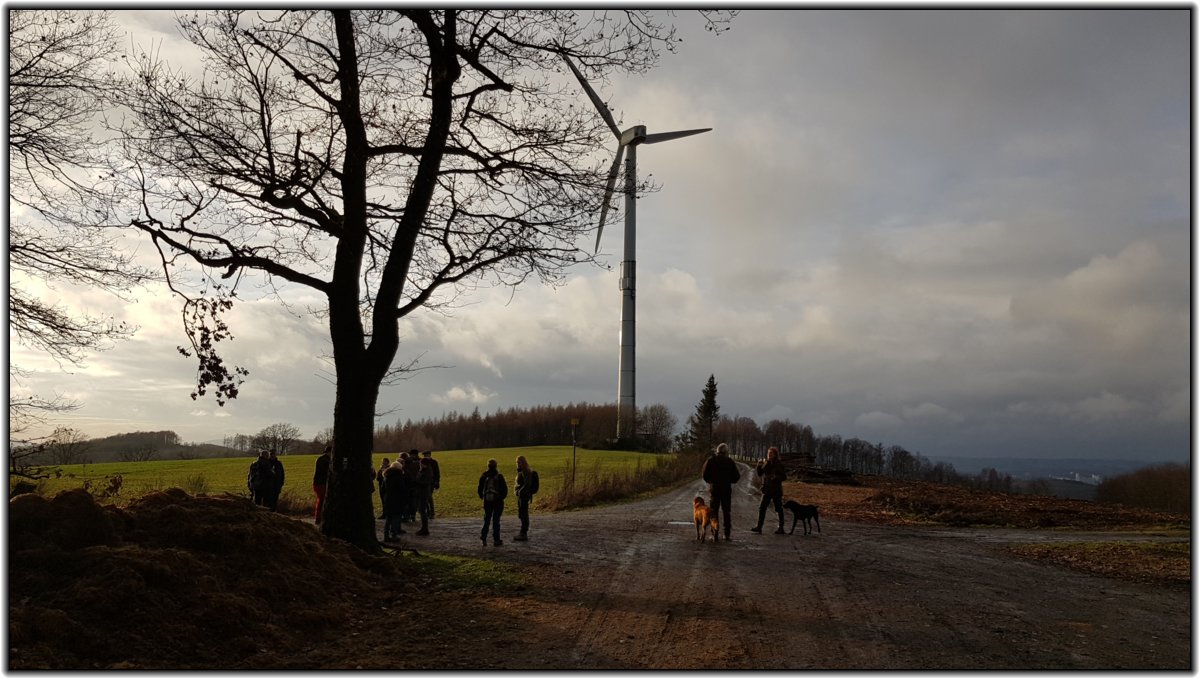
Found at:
[599, 103]
[608, 191]
[668, 136]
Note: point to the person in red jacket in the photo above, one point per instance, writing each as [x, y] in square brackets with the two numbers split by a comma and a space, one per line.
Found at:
[321, 481]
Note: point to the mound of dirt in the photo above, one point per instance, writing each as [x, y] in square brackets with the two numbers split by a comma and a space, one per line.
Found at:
[179, 582]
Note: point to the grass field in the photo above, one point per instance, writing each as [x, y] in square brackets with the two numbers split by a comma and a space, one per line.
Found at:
[460, 474]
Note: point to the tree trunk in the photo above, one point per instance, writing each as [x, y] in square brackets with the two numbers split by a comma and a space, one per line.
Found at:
[349, 512]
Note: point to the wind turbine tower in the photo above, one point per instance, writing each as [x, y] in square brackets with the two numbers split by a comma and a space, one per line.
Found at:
[627, 144]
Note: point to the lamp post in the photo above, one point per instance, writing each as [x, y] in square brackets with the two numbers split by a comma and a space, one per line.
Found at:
[574, 423]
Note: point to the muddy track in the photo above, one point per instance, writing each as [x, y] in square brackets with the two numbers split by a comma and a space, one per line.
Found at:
[630, 587]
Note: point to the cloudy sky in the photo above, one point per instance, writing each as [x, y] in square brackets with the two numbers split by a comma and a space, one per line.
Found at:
[963, 232]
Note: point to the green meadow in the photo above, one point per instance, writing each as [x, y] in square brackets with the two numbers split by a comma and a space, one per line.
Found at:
[460, 471]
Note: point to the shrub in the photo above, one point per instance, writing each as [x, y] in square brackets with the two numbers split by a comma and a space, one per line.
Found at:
[592, 487]
[1165, 487]
[197, 484]
[295, 503]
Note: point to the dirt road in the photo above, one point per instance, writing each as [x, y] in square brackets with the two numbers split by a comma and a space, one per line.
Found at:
[630, 587]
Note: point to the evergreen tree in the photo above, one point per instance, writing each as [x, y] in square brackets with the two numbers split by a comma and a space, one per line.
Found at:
[700, 424]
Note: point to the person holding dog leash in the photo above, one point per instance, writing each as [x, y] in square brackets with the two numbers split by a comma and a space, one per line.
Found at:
[773, 474]
[721, 472]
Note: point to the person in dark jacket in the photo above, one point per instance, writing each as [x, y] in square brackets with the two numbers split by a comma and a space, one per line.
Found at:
[412, 467]
[422, 490]
[721, 473]
[773, 474]
[383, 467]
[277, 486]
[427, 457]
[492, 490]
[261, 479]
[527, 485]
[393, 501]
[321, 481]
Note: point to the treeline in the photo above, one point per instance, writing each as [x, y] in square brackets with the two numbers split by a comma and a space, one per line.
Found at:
[69, 446]
[801, 447]
[551, 425]
[537, 426]
[141, 446]
[1165, 488]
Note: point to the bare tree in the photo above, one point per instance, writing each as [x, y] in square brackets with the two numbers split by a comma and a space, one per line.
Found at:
[280, 437]
[658, 426]
[55, 87]
[142, 452]
[68, 446]
[387, 159]
[239, 442]
[26, 451]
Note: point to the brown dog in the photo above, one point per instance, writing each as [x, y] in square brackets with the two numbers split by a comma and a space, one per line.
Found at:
[805, 513]
[705, 519]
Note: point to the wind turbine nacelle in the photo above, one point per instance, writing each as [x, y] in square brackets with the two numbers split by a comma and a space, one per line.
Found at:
[634, 135]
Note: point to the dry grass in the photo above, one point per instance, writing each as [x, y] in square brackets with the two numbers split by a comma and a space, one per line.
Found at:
[598, 486]
[886, 500]
[1149, 562]
[893, 502]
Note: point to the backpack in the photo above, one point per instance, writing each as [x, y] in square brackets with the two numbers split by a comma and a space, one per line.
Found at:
[533, 483]
[491, 491]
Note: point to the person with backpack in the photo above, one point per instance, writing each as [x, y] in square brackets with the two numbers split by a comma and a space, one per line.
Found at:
[261, 479]
[527, 487]
[492, 490]
[422, 491]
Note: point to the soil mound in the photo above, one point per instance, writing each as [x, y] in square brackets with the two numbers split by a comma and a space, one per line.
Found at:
[179, 582]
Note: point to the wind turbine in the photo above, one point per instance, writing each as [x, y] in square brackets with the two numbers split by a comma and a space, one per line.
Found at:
[629, 139]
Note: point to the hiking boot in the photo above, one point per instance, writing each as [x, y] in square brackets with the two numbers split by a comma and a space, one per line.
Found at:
[498, 542]
[484, 538]
[425, 532]
[756, 529]
[779, 531]
[521, 538]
